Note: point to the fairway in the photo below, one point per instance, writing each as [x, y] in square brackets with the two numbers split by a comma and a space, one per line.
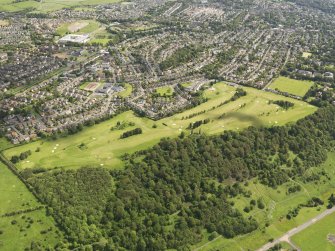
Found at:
[316, 236]
[46, 6]
[291, 86]
[164, 91]
[104, 148]
[15, 197]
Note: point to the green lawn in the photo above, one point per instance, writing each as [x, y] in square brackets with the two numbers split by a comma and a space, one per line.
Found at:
[14, 196]
[291, 86]
[104, 148]
[46, 6]
[306, 54]
[127, 92]
[88, 26]
[315, 237]
[165, 91]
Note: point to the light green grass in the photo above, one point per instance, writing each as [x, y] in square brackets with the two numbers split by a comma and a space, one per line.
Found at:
[165, 91]
[127, 91]
[46, 6]
[89, 28]
[104, 146]
[291, 86]
[315, 237]
[278, 203]
[306, 54]
[14, 196]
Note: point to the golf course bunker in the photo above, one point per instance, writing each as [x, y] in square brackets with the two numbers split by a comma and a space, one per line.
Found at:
[331, 238]
[77, 26]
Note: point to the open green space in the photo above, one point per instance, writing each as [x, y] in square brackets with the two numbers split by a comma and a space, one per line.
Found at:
[46, 6]
[306, 54]
[20, 230]
[291, 86]
[316, 236]
[164, 91]
[105, 148]
[128, 89]
[278, 203]
[78, 27]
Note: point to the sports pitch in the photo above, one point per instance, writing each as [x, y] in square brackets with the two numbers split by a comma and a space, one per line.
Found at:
[104, 147]
[291, 86]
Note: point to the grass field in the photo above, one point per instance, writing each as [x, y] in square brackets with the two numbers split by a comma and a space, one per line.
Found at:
[306, 54]
[46, 6]
[104, 148]
[79, 27]
[14, 196]
[128, 89]
[278, 203]
[315, 237]
[291, 86]
[165, 91]
[4, 22]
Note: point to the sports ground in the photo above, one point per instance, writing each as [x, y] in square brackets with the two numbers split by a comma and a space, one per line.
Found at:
[291, 86]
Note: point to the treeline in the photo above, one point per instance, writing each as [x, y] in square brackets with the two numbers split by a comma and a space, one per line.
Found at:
[16, 158]
[196, 124]
[166, 200]
[282, 103]
[130, 133]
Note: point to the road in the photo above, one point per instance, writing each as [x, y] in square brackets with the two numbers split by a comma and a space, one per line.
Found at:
[286, 237]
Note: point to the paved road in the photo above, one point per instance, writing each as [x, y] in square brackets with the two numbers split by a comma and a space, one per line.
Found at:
[286, 237]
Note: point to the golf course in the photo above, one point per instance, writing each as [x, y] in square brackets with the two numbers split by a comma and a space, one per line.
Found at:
[103, 146]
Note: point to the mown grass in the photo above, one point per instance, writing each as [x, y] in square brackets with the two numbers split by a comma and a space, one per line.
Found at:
[105, 148]
[291, 86]
[20, 230]
[46, 6]
[164, 91]
[128, 89]
[315, 237]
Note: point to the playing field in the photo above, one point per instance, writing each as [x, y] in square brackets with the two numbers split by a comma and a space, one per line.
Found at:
[23, 228]
[104, 148]
[79, 27]
[165, 91]
[306, 54]
[278, 203]
[316, 236]
[291, 86]
[46, 6]
[91, 86]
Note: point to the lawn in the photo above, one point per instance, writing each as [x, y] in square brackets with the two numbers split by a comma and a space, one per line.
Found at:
[165, 91]
[104, 148]
[14, 196]
[46, 6]
[315, 237]
[278, 203]
[127, 91]
[291, 86]
[306, 54]
[78, 27]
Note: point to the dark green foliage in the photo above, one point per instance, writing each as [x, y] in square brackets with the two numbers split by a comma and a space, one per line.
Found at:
[283, 104]
[167, 199]
[130, 133]
[76, 199]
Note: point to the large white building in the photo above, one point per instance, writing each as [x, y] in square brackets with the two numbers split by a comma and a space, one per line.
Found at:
[73, 38]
